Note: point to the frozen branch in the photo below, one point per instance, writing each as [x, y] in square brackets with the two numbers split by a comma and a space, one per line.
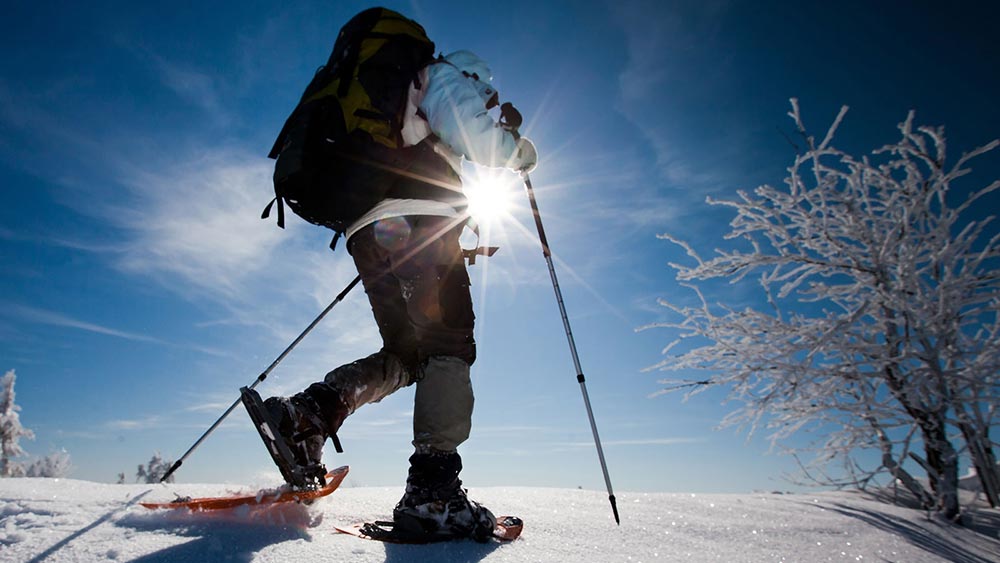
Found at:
[891, 293]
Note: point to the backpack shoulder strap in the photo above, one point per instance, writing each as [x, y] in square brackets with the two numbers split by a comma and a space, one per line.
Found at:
[347, 48]
[281, 210]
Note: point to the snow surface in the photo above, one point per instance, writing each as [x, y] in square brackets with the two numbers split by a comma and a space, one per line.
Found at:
[63, 520]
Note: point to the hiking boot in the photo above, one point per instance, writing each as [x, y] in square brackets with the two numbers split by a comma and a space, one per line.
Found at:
[452, 518]
[436, 507]
[301, 430]
[306, 420]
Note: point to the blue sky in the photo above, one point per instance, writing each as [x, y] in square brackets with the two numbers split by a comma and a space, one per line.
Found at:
[140, 290]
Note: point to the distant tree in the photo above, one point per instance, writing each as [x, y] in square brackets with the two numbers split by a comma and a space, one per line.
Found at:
[882, 329]
[11, 430]
[154, 470]
[53, 465]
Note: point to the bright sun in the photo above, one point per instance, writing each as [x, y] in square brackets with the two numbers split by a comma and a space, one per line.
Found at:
[490, 197]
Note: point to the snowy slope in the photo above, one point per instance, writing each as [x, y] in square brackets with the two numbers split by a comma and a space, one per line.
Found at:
[68, 520]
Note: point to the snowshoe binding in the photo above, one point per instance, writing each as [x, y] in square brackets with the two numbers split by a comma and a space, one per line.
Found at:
[508, 528]
[435, 507]
[456, 517]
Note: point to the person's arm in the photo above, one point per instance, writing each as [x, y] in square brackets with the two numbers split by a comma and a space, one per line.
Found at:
[457, 115]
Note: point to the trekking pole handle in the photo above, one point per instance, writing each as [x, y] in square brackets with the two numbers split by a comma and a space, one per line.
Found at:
[511, 119]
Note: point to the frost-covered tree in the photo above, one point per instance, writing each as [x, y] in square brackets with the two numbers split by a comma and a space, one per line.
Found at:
[882, 328]
[11, 430]
[53, 466]
[154, 470]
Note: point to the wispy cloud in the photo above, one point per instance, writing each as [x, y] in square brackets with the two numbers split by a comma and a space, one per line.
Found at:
[194, 86]
[211, 407]
[661, 41]
[640, 442]
[195, 227]
[199, 221]
[189, 216]
[81, 434]
[135, 424]
[41, 136]
[53, 318]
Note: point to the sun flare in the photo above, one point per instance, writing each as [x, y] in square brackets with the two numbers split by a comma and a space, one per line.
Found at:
[490, 196]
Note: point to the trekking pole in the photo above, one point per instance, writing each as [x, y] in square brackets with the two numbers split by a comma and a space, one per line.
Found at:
[262, 377]
[511, 120]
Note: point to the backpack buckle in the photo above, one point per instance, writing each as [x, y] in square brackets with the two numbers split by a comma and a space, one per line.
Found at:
[471, 253]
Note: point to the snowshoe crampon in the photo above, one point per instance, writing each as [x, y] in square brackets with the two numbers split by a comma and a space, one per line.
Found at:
[508, 528]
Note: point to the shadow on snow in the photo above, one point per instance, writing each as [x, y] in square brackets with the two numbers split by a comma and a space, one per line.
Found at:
[224, 535]
[82, 531]
[956, 549]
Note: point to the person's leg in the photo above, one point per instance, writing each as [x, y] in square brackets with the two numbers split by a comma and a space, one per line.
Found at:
[414, 275]
[308, 418]
[427, 264]
[442, 405]
[432, 272]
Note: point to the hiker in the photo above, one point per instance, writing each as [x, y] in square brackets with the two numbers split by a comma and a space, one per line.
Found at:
[405, 244]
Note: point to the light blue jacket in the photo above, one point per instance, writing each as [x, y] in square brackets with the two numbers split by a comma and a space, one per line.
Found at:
[452, 105]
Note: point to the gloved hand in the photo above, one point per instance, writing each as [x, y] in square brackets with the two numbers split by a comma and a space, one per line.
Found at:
[526, 157]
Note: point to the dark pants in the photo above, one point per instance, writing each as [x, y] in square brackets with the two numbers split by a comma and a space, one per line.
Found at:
[414, 274]
[415, 277]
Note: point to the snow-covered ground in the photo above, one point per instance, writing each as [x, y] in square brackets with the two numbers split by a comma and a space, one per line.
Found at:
[66, 520]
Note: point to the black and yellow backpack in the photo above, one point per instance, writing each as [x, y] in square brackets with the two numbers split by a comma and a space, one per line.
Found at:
[339, 149]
